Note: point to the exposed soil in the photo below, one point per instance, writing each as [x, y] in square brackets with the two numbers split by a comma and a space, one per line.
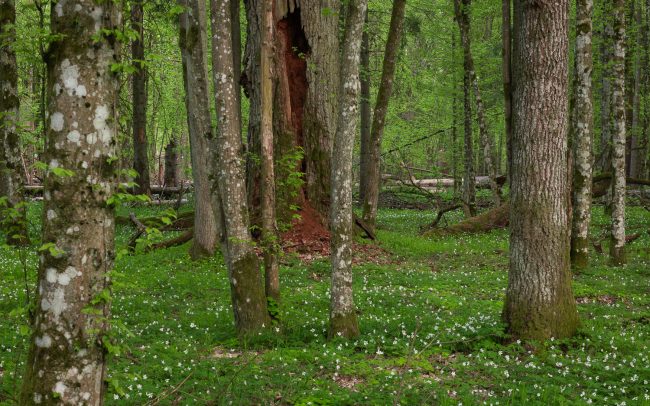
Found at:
[310, 240]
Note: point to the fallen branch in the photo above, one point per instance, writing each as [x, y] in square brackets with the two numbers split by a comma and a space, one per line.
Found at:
[140, 229]
[441, 212]
[180, 240]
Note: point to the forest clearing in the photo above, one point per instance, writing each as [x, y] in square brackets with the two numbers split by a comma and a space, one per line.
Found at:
[324, 202]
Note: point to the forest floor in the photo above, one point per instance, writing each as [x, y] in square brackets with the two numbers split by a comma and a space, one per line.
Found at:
[429, 311]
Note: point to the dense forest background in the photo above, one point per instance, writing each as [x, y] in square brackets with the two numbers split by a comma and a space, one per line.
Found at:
[202, 202]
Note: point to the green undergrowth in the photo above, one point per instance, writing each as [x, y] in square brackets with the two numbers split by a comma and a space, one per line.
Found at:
[430, 328]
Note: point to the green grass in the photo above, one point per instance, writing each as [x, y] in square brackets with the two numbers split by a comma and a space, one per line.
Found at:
[430, 323]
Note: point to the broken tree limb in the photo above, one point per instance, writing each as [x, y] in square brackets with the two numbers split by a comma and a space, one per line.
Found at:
[180, 240]
[140, 230]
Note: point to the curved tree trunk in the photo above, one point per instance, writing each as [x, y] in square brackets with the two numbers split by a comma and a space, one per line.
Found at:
[617, 249]
[583, 134]
[247, 289]
[461, 8]
[343, 316]
[78, 222]
[193, 43]
[12, 211]
[306, 72]
[140, 145]
[539, 300]
[373, 170]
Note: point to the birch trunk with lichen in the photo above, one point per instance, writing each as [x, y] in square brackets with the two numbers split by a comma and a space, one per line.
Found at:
[617, 248]
[583, 124]
[193, 45]
[247, 289]
[343, 316]
[12, 211]
[539, 300]
[66, 363]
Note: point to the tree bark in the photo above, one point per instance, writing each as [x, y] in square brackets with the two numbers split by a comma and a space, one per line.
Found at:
[506, 51]
[193, 45]
[617, 248]
[603, 161]
[461, 9]
[583, 120]
[172, 168]
[140, 145]
[13, 220]
[66, 363]
[366, 113]
[469, 186]
[269, 225]
[247, 289]
[636, 150]
[373, 172]
[343, 317]
[235, 26]
[539, 300]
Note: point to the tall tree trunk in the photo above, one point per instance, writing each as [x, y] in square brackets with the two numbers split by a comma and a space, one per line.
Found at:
[235, 26]
[645, 61]
[506, 51]
[373, 172]
[469, 178]
[617, 249]
[140, 145]
[12, 210]
[539, 300]
[343, 317]
[605, 148]
[306, 55]
[193, 43]
[172, 168]
[636, 150]
[366, 113]
[66, 363]
[269, 225]
[455, 120]
[461, 8]
[247, 289]
[583, 124]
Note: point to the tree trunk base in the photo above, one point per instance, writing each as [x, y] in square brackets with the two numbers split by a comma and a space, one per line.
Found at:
[346, 326]
[579, 252]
